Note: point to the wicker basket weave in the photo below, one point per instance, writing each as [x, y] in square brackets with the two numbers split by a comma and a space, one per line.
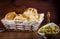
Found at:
[22, 25]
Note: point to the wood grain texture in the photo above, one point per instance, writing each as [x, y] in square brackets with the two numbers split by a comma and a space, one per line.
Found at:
[24, 35]
[18, 35]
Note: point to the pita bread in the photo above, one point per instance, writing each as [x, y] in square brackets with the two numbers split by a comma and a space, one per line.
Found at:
[10, 16]
[19, 17]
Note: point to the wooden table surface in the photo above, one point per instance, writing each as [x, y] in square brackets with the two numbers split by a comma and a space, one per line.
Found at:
[23, 35]
[18, 35]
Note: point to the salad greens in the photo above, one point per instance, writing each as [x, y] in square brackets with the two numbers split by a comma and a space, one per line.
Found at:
[49, 29]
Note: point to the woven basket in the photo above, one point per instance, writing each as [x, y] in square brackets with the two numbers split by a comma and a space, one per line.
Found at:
[22, 25]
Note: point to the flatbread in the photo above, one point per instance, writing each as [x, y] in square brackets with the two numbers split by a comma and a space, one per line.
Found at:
[10, 16]
[19, 17]
[31, 14]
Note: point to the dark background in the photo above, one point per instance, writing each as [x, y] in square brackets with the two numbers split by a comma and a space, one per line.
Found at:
[43, 6]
